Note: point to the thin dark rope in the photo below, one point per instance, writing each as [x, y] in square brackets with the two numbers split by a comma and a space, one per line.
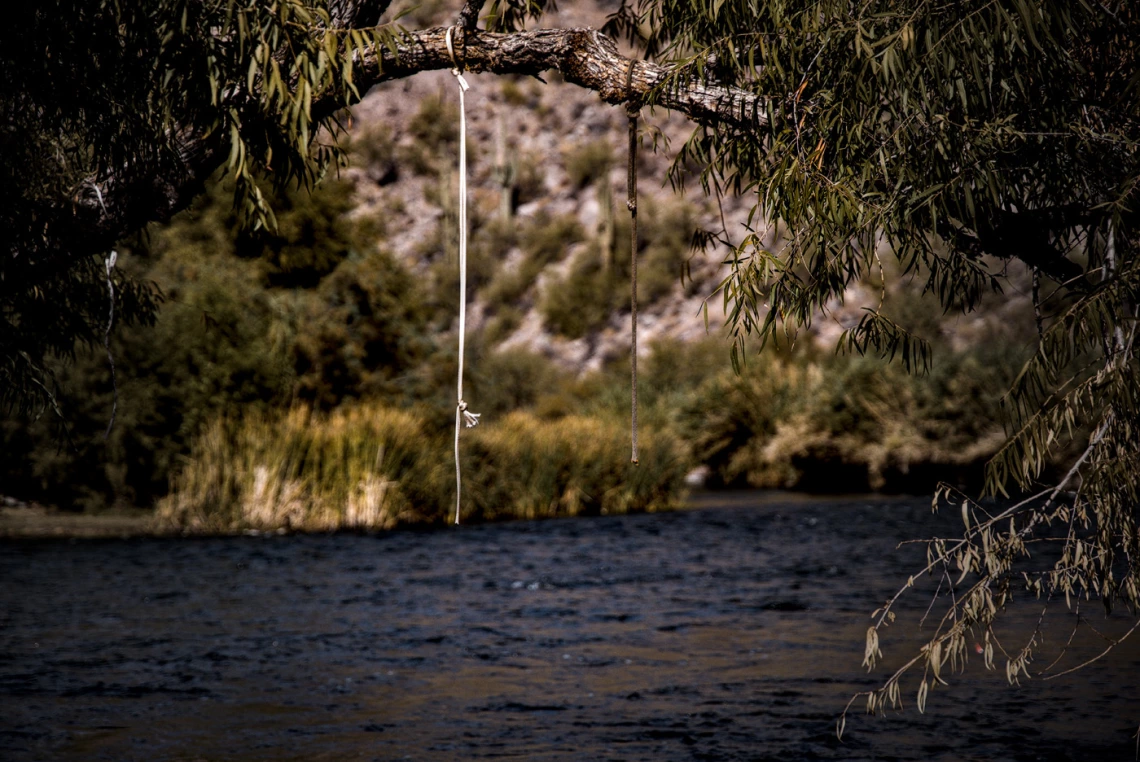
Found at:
[632, 110]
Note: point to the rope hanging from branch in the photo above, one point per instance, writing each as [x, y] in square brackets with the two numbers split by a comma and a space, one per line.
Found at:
[632, 110]
[462, 414]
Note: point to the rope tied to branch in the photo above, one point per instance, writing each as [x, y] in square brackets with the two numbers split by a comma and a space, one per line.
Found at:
[462, 415]
[632, 111]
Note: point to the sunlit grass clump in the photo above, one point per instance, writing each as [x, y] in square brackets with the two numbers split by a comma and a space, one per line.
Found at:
[526, 467]
[373, 467]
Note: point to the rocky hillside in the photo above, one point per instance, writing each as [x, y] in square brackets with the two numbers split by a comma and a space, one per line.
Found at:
[547, 181]
[549, 228]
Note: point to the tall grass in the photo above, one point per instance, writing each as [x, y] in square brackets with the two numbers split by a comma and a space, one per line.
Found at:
[527, 467]
[369, 466]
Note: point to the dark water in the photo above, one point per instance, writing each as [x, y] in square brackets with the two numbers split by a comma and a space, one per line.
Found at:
[733, 632]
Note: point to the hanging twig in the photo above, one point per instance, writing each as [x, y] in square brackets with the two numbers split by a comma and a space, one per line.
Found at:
[109, 264]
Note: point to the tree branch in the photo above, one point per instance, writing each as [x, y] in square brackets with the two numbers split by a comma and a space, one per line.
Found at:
[469, 16]
[584, 57]
[357, 14]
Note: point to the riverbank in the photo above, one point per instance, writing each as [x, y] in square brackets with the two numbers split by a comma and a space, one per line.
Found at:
[24, 521]
[30, 521]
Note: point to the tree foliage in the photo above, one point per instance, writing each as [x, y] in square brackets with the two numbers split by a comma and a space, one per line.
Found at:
[101, 103]
[959, 140]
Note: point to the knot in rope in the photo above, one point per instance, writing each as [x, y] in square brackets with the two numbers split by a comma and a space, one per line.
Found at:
[456, 69]
[471, 420]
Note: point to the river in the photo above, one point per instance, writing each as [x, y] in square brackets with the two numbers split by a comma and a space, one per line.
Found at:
[732, 631]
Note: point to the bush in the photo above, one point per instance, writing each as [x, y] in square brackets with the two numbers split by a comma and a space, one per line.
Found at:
[211, 349]
[358, 467]
[665, 234]
[374, 151]
[849, 423]
[580, 302]
[526, 467]
[361, 333]
[530, 181]
[313, 236]
[545, 240]
[435, 133]
[588, 162]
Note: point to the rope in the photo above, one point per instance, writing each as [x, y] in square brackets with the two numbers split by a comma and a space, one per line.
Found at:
[462, 415]
[109, 265]
[632, 111]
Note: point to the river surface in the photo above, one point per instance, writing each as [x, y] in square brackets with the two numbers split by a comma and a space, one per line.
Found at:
[733, 631]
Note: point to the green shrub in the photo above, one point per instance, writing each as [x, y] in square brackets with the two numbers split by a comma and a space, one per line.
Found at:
[582, 301]
[483, 256]
[361, 333]
[372, 148]
[514, 95]
[526, 467]
[313, 235]
[504, 381]
[357, 467]
[435, 137]
[588, 162]
[545, 240]
[665, 234]
[849, 423]
[505, 320]
[436, 123]
[529, 182]
[211, 349]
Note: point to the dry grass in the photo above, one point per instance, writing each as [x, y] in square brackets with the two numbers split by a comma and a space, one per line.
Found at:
[372, 467]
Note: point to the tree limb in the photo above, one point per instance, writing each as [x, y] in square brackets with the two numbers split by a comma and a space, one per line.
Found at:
[584, 57]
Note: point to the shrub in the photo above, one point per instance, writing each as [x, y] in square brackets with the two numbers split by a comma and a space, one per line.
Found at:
[358, 467]
[849, 423]
[529, 182]
[313, 236]
[373, 150]
[545, 239]
[580, 302]
[361, 333]
[588, 162]
[526, 467]
[435, 137]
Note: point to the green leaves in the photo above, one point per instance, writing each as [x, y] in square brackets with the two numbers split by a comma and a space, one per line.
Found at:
[887, 338]
[973, 146]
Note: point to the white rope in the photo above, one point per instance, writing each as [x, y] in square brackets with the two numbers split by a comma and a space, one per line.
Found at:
[462, 415]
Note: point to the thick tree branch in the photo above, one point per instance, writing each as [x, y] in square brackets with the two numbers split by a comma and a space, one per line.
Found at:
[584, 57]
